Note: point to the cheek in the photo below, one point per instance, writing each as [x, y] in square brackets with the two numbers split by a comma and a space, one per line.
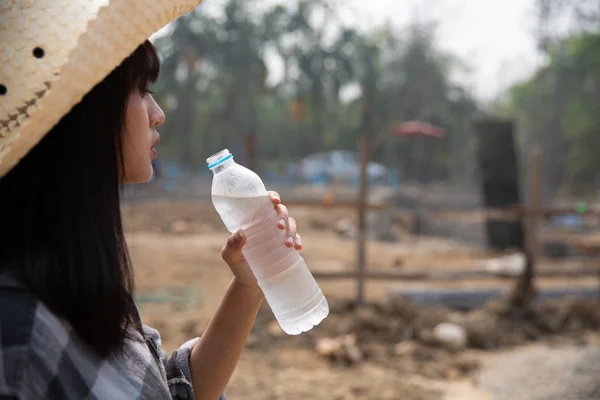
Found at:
[136, 146]
[136, 118]
[138, 160]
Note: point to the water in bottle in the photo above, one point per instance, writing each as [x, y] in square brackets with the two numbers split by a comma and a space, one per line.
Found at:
[240, 198]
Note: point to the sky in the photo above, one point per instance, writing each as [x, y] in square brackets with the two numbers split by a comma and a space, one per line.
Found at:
[494, 37]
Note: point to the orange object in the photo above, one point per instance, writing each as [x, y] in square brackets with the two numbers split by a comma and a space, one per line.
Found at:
[328, 200]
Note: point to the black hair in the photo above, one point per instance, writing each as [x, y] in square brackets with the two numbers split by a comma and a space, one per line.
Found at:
[61, 233]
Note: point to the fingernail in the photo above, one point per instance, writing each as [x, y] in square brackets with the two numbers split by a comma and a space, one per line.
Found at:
[237, 236]
[282, 222]
[289, 240]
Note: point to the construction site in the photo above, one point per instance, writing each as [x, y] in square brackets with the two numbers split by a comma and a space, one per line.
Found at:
[434, 314]
[452, 219]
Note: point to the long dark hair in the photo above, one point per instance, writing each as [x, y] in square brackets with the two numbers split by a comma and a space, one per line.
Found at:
[61, 232]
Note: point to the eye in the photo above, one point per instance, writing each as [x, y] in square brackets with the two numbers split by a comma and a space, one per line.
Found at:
[3, 90]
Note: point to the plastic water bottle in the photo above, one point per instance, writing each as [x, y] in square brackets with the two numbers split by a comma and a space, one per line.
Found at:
[242, 201]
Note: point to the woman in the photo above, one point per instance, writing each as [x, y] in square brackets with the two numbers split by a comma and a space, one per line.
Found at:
[69, 328]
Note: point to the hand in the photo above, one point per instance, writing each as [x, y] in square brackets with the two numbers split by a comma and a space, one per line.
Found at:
[232, 251]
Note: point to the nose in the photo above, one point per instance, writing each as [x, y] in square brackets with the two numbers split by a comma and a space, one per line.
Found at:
[157, 115]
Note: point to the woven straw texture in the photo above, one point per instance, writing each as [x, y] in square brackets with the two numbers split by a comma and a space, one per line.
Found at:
[55, 51]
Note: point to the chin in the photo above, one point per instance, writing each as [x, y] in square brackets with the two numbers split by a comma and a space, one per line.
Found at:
[140, 177]
[151, 176]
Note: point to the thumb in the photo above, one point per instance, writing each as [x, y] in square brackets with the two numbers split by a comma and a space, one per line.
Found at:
[234, 245]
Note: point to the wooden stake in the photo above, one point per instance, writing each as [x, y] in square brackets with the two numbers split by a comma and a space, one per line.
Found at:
[363, 150]
[525, 291]
[418, 220]
[532, 237]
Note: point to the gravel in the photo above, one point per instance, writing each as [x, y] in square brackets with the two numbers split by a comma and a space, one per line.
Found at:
[542, 372]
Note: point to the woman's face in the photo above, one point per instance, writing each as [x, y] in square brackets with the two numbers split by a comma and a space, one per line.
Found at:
[142, 117]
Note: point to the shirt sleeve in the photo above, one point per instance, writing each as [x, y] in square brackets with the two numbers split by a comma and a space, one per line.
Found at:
[177, 368]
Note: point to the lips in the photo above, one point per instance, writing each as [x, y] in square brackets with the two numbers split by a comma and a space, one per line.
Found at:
[153, 150]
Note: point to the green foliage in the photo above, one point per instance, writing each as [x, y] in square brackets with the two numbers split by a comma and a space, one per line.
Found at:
[559, 108]
[559, 105]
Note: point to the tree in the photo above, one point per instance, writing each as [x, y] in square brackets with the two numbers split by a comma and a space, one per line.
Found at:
[215, 89]
[187, 53]
[557, 107]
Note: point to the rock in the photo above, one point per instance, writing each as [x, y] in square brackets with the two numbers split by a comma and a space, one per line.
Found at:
[451, 336]
[405, 348]
[511, 265]
[398, 262]
[346, 228]
[179, 227]
[341, 348]
[451, 372]
[486, 331]
[353, 353]
[274, 329]
[328, 346]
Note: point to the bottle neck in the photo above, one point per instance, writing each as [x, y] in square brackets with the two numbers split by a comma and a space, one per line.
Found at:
[220, 168]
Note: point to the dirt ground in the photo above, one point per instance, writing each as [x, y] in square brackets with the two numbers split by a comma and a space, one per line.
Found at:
[386, 350]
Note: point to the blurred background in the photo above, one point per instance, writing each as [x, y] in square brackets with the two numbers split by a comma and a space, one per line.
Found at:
[442, 160]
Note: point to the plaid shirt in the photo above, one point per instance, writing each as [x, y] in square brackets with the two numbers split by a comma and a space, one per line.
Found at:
[41, 357]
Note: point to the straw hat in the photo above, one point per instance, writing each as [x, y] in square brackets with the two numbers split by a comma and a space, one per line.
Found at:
[55, 51]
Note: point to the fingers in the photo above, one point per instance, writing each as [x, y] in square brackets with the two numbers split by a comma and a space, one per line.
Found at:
[298, 245]
[290, 233]
[292, 239]
[275, 198]
[236, 241]
[282, 214]
[234, 244]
